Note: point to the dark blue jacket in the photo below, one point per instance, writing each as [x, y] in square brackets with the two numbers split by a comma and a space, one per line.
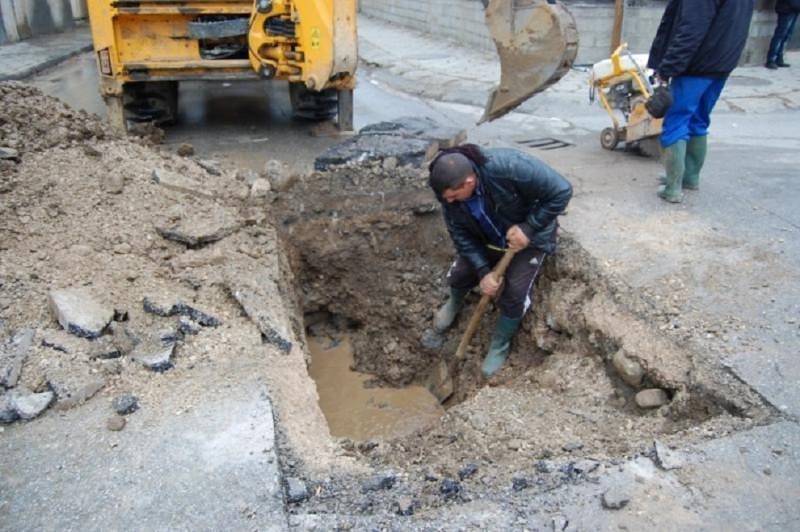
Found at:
[701, 37]
[520, 190]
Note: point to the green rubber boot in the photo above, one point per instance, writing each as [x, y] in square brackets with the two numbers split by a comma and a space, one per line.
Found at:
[675, 163]
[695, 157]
[446, 315]
[501, 341]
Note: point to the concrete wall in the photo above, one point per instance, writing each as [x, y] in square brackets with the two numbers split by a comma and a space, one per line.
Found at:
[462, 21]
[22, 19]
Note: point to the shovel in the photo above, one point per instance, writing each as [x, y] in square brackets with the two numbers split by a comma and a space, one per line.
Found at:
[498, 272]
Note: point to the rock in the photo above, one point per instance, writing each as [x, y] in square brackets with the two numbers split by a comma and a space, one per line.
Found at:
[405, 506]
[259, 296]
[79, 313]
[630, 370]
[278, 175]
[514, 445]
[104, 348]
[296, 490]
[185, 150]
[179, 183]
[200, 229]
[62, 341]
[571, 447]
[73, 387]
[155, 352]
[559, 523]
[12, 356]
[390, 163]
[585, 466]
[211, 166]
[652, 398]
[382, 481]
[377, 147]
[115, 423]
[113, 183]
[260, 188]
[8, 411]
[666, 458]
[519, 483]
[122, 249]
[616, 498]
[450, 488]
[247, 176]
[188, 326]
[467, 471]
[125, 404]
[9, 154]
[166, 305]
[31, 405]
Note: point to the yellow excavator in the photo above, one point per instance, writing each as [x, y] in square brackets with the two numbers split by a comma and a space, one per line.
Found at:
[145, 48]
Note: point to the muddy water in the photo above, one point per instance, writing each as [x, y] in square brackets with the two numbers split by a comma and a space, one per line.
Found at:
[360, 413]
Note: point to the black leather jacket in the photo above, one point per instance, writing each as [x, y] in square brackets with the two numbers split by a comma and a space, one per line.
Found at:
[701, 37]
[520, 190]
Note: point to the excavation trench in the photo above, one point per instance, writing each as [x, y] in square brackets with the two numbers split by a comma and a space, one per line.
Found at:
[370, 267]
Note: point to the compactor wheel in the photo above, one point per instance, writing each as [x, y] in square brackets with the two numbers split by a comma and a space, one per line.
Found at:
[609, 138]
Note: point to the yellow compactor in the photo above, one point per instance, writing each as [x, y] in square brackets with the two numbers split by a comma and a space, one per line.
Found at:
[145, 48]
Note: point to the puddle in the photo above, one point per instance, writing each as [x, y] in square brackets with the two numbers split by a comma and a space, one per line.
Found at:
[359, 413]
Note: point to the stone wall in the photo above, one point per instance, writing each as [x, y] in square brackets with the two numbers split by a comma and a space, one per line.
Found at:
[462, 21]
[22, 19]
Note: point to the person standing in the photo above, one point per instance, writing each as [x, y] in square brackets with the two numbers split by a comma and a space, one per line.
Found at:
[496, 200]
[787, 11]
[697, 45]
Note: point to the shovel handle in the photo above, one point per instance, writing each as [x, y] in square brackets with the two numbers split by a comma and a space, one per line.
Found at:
[499, 271]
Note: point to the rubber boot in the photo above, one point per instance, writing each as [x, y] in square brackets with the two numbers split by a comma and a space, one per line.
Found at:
[675, 163]
[695, 157]
[501, 341]
[446, 315]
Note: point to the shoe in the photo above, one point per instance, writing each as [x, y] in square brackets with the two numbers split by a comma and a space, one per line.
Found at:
[501, 342]
[675, 163]
[446, 315]
[781, 64]
[771, 65]
[695, 157]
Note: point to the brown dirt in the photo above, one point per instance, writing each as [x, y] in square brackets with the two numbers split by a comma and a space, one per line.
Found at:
[364, 243]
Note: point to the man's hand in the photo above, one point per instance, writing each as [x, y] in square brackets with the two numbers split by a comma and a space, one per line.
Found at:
[489, 284]
[516, 238]
[661, 79]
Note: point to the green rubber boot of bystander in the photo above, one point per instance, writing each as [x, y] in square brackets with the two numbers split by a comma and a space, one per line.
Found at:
[675, 163]
[695, 157]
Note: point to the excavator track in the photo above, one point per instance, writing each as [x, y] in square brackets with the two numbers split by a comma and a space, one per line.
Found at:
[537, 41]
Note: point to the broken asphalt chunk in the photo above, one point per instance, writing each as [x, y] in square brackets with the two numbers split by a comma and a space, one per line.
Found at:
[200, 229]
[79, 313]
[420, 128]
[167, 305]
[377, 147]
[179, 183]
[296, 490]
[12, 355]
[73, 387]
[382, 481]
[30, 405]
[155, 352]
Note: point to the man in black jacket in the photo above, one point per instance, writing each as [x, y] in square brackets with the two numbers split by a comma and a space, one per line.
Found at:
[697, 45]
[787, 11]
[492, 201]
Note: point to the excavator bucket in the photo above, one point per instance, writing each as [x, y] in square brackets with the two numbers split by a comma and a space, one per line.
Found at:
[537, 41]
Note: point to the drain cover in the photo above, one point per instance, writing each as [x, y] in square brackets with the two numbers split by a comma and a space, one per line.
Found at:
[545, 144]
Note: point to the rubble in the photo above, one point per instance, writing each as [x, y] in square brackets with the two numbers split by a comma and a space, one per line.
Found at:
[652, 398]
[115, 423]
[666, 458]
[179, 183]
[155, 351]
[30, 405]
[199, 229]
[125, 404]
[73, 386]
[382, 481]
[166, 305]
[616, 498]
[12, 356]
[79, 313]
[630, 370]
[296, 490]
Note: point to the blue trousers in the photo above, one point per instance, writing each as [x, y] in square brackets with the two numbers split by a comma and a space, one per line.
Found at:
[783, 32]
[694, 98]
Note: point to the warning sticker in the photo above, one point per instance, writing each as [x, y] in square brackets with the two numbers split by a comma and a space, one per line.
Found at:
[316, 38]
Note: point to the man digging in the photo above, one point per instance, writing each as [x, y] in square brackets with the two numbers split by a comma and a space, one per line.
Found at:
[496, 200]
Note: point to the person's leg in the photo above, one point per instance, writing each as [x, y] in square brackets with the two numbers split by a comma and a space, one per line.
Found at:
[788, 35]
[696, 147]
[514, 302]
[461, 278]
[775, 45]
